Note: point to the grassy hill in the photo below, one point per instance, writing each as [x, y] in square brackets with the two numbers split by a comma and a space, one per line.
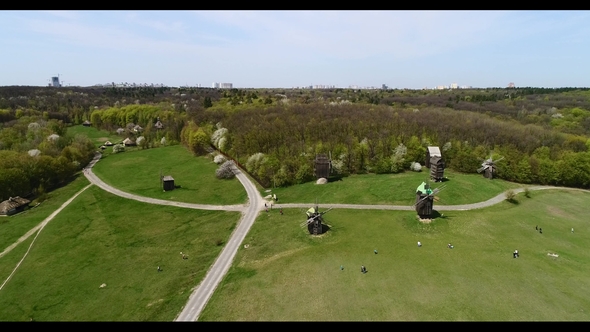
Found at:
[101, 238]
[287, 275]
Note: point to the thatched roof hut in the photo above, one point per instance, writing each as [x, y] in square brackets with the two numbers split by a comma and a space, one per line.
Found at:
[13, 205]
[108, 143]
[137, 128]
[120, 131]
[86, 123]
[129, 142]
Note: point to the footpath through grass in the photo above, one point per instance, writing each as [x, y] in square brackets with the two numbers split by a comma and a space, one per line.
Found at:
[101, 238]
[138, 172]
[13, 227]
[287, 275]
[394, 189]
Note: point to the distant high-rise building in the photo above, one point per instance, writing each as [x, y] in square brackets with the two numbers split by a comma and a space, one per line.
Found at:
[215, 85]
[384, 87]
[454, 86]
[55, 82]
[226, 85]
[511, 85]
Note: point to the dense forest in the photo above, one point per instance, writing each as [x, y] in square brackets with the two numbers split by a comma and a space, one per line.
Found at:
[543, 134]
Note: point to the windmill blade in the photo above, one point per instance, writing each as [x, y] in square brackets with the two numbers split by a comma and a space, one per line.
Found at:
[498, 159]
[437, 190]
[420, 201]
[481, 169]
[322, 213]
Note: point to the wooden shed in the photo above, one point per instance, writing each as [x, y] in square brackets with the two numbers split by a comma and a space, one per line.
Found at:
[86, 123]
[435, 162]
[159, 124]
[168, 183]
[129, 142]
[322, 166]
[14, 205]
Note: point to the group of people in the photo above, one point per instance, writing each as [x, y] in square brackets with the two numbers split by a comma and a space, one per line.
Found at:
[541, 230]
[274, 197]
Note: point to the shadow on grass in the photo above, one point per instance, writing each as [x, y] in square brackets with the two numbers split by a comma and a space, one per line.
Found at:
[335, 178]
[325, 228]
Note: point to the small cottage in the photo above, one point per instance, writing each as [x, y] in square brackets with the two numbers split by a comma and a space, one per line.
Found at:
[168, 183]
[86, 123]
[13, 205]
[159, 124]
[129, 142]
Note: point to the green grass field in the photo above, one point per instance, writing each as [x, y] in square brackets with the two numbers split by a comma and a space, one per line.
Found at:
[13, 227]
[101, 238]
[287, 275]
[394, 189]
[138, 172]
[97, 136]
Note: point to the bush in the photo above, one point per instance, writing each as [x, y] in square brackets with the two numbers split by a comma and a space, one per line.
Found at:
[219, 159]
[225, 171]
[527, 192]
[415, 166]
[118, 148]
[510, 196]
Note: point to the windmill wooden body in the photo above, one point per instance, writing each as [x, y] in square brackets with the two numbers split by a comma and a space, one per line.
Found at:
[436, 163]
[425, 199]
[322, 166]
[315, 221]
[488, 167]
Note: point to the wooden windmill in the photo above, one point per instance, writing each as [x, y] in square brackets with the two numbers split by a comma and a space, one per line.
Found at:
[436, 163]
[315, 220]
[425, 199]
[488, 167]
[322, 166]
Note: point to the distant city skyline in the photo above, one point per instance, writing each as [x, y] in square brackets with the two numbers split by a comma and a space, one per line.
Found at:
[286, 49]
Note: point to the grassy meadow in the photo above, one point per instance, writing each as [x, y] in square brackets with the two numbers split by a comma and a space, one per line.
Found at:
[394, 189]
[101, 238]
[138, 172]
[287, 275]
[97, 136]
[15, 226]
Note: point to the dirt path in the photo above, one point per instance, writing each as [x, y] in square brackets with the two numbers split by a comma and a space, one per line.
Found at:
[33, 230]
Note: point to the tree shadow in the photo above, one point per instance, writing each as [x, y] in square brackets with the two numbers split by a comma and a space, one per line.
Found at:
[335, 178]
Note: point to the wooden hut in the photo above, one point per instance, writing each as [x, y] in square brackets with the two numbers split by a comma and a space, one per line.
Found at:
[322, 166]
[86, 123]
[129, 142]
[435, 162]
[168, 183]
[14, 205]
[159, 124]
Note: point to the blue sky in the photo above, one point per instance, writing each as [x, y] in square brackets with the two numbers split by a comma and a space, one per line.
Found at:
[264, 49]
